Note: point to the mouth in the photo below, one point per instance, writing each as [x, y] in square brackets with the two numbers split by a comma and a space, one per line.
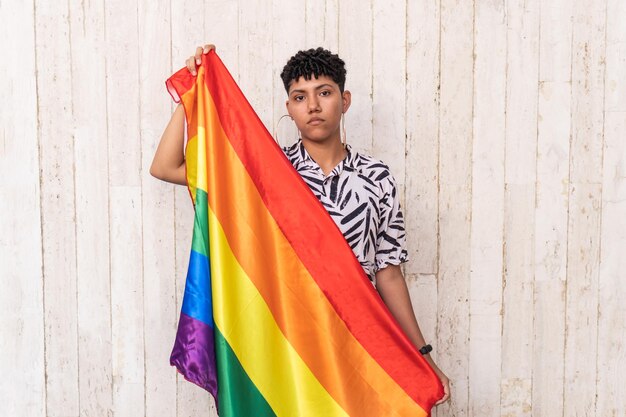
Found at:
[315, 121]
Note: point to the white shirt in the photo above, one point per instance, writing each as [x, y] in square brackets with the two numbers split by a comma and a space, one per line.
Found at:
[361, 197]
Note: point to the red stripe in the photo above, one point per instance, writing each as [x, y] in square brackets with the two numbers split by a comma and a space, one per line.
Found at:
[320, 245]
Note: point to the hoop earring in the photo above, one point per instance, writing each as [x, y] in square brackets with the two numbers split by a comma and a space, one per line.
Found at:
[274, 135]
[344, 138]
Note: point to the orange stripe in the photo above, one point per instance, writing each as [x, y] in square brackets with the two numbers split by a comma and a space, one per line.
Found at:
[345, 369]
[322, 244]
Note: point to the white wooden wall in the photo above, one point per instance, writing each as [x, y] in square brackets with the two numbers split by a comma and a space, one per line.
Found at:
[504, 123]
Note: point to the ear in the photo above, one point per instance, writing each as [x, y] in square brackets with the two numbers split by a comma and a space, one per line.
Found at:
[287, 106]
[347, 100]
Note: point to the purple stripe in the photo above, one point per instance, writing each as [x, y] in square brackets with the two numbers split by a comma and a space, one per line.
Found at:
[194, 353]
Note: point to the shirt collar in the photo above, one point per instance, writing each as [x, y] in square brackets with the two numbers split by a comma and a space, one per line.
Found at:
[304, 157]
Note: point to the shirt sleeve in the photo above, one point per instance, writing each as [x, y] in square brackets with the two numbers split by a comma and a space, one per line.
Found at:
[391, 237]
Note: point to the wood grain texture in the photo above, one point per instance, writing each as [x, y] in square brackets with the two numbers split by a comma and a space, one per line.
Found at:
[455, 187]
[291, 16]
[159, 307]
[551, 246]
[552, 207]
[585, 201]
[255, 75]
[22, 346]
[127, 318]
[611, 357]
[389, 86]
[522, 76]
[422, 130]
[355, 27]
[125, 214]
[92, 207]
[487, 208]
[57, 206]
[503, 123]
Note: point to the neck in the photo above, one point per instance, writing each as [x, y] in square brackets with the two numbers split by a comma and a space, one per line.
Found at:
[326, 154]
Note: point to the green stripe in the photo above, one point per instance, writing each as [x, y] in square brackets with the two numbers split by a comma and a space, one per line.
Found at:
[200, 240]
[237, 394]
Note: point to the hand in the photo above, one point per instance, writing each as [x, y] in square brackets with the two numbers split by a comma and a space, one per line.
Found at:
[446, 386]
[193, 61]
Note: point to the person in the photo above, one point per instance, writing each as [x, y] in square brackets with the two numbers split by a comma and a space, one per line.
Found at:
[357, 190]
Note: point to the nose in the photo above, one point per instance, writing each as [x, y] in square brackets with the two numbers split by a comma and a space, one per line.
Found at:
[314, 105]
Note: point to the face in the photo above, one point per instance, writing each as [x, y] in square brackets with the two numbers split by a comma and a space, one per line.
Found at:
[316, 106]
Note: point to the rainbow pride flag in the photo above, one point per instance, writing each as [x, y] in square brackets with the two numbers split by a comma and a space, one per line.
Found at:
[278, 317]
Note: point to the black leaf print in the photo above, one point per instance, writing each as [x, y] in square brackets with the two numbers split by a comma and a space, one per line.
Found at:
[360, 195]
[353, 214]
[333, 188]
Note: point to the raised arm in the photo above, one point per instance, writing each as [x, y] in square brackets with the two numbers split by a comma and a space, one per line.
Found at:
[169, 159]
[392, 288]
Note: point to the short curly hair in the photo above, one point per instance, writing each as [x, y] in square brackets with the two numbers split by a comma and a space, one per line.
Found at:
[314, 63]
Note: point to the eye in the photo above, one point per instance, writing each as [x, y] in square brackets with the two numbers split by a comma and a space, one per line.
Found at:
[325, 93]
[298, 98]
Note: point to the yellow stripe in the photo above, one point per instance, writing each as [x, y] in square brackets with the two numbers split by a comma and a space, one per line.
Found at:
[195, 151]
[195, 159]
[247, 324]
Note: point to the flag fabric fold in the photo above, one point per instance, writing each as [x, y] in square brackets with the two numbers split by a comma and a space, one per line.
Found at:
[278, 317]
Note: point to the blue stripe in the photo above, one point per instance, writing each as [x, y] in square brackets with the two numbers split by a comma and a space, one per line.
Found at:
[197, 299]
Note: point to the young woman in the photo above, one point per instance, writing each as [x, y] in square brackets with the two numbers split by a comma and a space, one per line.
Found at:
[357, 190]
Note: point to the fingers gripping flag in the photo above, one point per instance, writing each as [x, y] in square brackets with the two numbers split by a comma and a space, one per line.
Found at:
[278, 317]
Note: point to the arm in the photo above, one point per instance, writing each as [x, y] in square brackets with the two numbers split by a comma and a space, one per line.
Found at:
[169, 160]
[394, 292]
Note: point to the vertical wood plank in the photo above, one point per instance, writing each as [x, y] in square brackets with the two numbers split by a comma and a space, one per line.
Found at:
[22, 319]
[487, 208]
[583, 267]
[562, 223]
[127, 320]
[255, 63]
[611, 358]
[122, 64]
[517, 321]
[92, 202]
[389, 86]
[331, 25]
[519, 205]
[421, 175]
[187, 19]
[551, 246]
[555, 48]
[585, 195]
[221, 28]
[158, 210]
[588, 44]
[615, 87]
[455, 153]
[57, 206]
[321, 23]
[422, 128]
[123, 109]
[423, 291]
[290, 17]
[355, 48]
[315, 23]
[553, 154]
